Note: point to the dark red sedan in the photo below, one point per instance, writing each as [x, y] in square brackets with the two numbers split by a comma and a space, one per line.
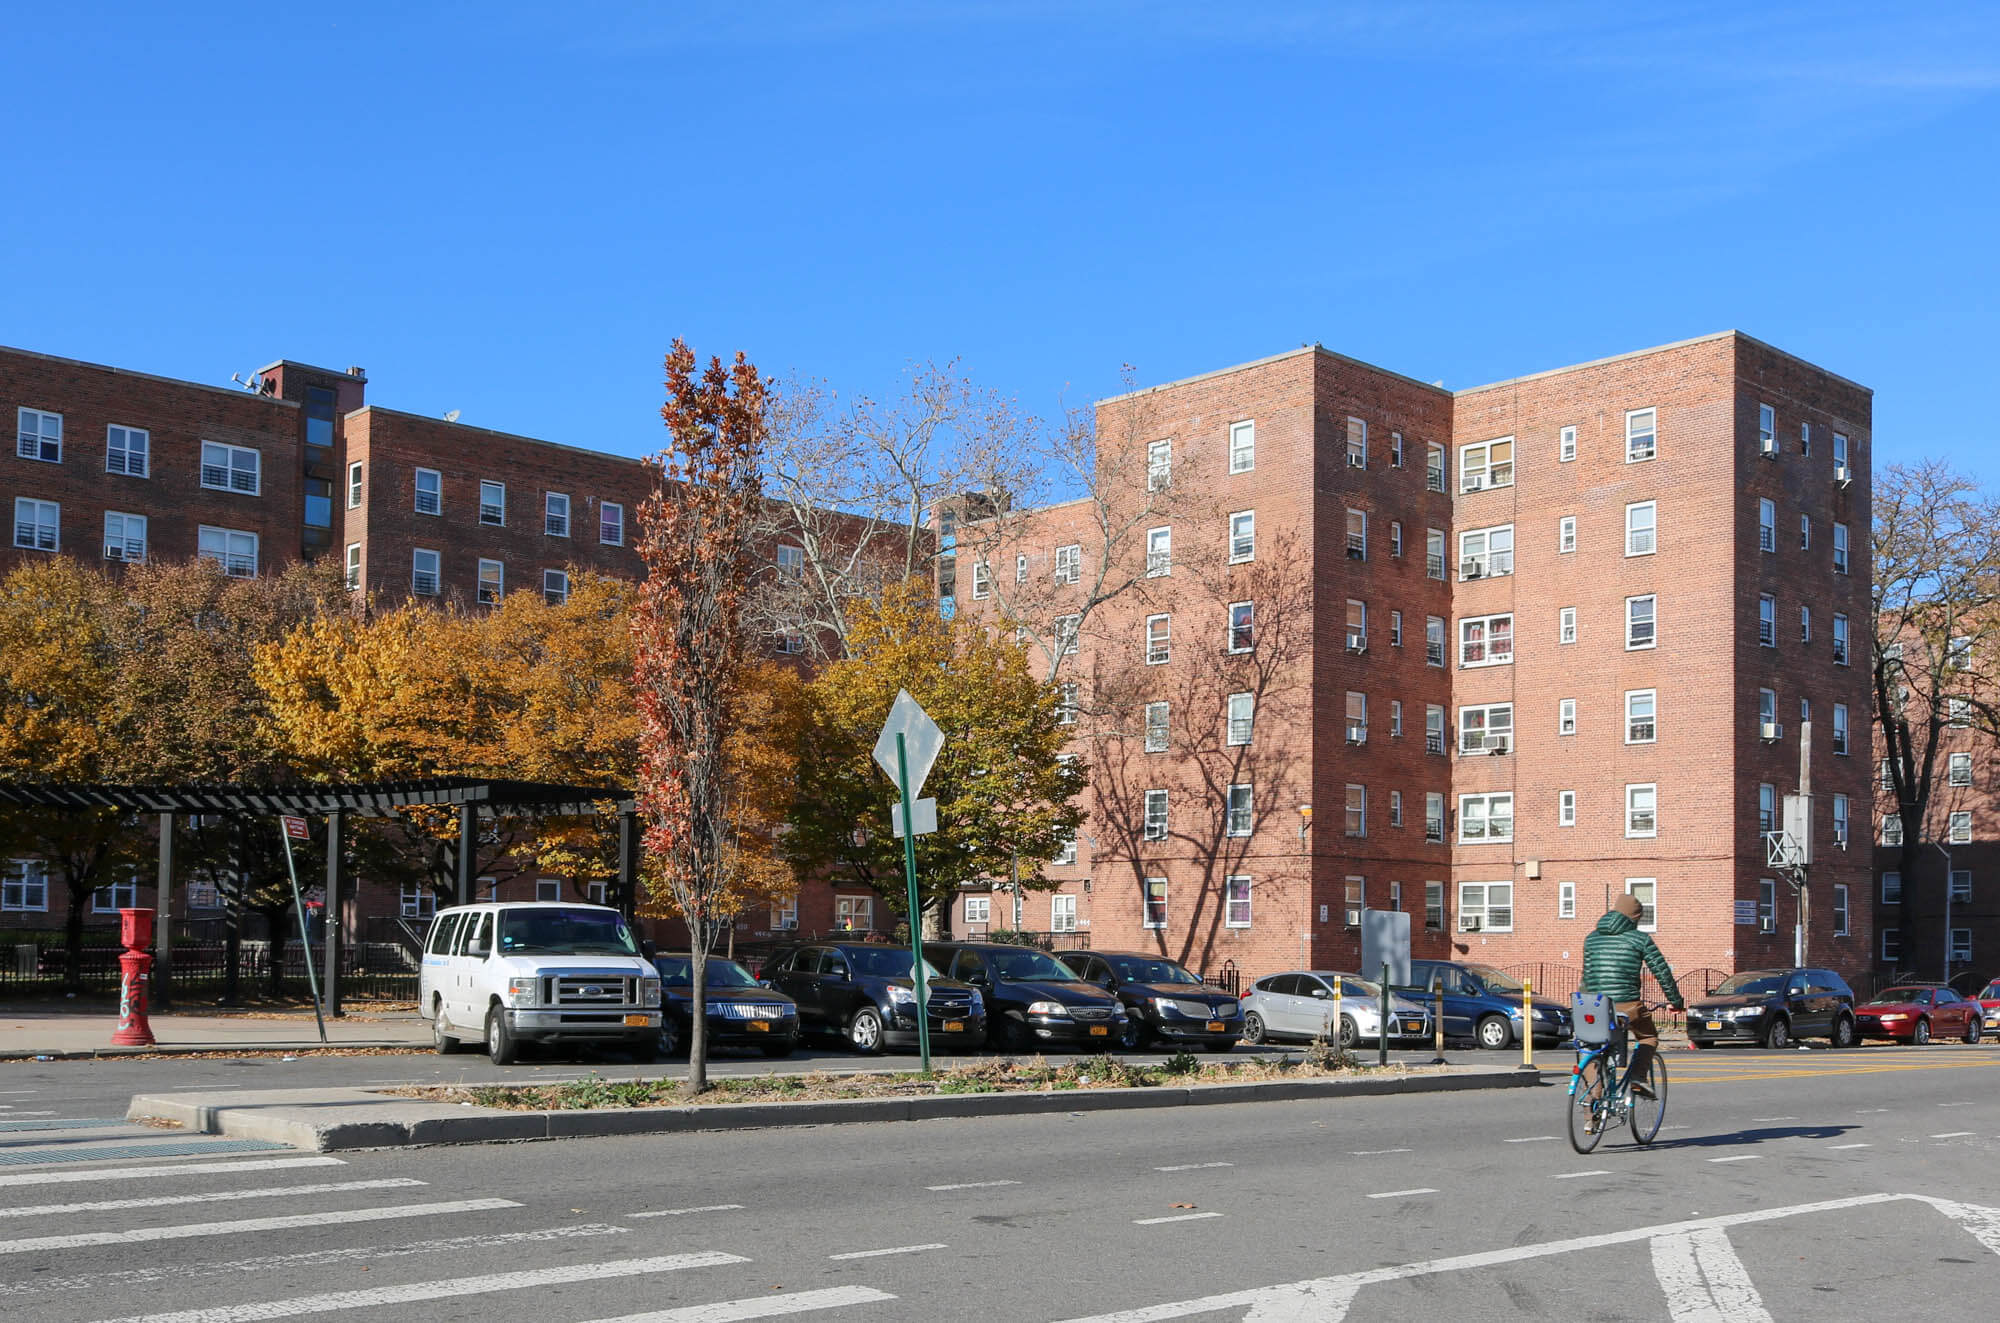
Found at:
[1917, 1013]
[1989, 1006]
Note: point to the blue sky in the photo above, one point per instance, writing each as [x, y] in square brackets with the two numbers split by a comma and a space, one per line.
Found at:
[510, 209]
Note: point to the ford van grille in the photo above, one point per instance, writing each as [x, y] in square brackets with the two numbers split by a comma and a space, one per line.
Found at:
[592, 990]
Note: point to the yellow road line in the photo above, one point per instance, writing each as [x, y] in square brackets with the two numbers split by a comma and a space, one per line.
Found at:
[1677, 1078]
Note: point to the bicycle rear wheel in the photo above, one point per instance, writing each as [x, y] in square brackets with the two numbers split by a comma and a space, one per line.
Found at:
[1647, 1113]
[1589, 1104]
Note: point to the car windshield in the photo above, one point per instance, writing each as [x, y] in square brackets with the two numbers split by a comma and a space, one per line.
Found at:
[677, 971]
[1901, 994]
[1494, 980]
[565, 932]
[1134, 969]
[883, 962]
[1350, 986]
[1750, 985]
[1992, 991]
[1022, 965]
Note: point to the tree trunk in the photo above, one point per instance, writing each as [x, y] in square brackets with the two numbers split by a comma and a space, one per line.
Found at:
[79, 896]
[1908, 859]
[698, 939]
[274, 924]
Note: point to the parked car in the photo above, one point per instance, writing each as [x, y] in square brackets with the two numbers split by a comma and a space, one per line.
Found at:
[1989, 1007]
[1300, 1005]
[1774, 1007]
[866, 993]
[1483, 1004]
[741, 1011]
[1162, 999]
[1033, 999]
[1917, 1013]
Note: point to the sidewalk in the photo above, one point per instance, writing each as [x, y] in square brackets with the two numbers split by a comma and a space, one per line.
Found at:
[28, 1034]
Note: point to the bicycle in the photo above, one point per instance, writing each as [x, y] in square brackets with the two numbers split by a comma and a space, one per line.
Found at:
[1598, 1096]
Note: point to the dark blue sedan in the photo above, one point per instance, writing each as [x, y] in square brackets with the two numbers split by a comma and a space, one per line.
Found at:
[1483, 1004]
[741, 1011]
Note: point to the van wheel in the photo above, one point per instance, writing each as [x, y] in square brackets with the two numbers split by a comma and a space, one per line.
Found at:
[501, 1048]
[443, 1043]
[1495, 1033]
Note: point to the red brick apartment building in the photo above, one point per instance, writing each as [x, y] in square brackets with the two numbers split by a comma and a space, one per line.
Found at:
[1536, 644]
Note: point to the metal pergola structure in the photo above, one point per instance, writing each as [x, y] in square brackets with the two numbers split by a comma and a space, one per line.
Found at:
[335, 801]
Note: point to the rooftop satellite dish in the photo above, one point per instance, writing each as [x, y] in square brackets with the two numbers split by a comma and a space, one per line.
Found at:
[451, 417]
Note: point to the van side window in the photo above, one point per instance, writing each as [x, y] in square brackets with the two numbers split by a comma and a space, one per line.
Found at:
[442, 932]
[478, 934]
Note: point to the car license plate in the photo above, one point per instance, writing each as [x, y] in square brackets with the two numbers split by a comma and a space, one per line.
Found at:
[636, 1021]
[1413, 1026]
[1100, 1031]
[954, 1026]
[1715, 1024]
[1215, 1026]
[760, 1026]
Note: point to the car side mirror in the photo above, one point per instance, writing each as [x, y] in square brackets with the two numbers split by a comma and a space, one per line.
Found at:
[1320, 992]
[838, 971]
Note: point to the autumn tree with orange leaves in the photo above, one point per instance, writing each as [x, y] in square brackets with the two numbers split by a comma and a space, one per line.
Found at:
[697, 531]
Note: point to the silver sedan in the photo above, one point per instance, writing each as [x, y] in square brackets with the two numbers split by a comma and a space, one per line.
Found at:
[1302, 1004]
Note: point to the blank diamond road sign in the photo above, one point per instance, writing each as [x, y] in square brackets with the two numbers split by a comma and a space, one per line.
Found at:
[921, 740]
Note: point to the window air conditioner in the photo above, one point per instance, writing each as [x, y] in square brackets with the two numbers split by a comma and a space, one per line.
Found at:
[1767, 924]
[1470, 569]
[1468, 925]
[1767, 446]
[1499, 744]
[1475, 482]
[1770, 732]
[1842, 474]
[1357, 733]
[1356, 642]
[1355, 461]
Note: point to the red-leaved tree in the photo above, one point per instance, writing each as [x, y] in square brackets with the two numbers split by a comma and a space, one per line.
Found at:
[696, 532]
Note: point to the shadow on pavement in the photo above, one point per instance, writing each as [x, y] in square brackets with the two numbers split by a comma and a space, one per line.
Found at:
[1765, 1134]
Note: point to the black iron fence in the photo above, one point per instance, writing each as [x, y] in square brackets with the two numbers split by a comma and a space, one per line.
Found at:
[37, 963]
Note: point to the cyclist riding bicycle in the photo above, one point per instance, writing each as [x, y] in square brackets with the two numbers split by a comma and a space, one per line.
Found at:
[1612, 956]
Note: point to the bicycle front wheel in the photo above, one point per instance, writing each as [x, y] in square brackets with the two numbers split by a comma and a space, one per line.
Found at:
[1589, 1104]
[1647, 1113]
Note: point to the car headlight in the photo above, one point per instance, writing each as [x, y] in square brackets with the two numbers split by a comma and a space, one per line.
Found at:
[1162, 1004]
[1046, 1008]
[902, 996]
[1747, 1012]
[527, 991]
[649, 992]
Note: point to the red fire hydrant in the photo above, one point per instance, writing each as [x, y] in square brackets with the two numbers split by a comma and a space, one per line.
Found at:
[135, 932]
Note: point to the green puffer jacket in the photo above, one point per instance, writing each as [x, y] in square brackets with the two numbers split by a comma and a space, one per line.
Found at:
[1612, 956]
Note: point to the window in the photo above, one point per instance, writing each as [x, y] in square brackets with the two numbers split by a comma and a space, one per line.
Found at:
[1395, 808]
[418, 901]
[1396, 538]
[1642, 810]
[430, 492]
[1396, 717]
[1641, 623]
[1486, 464]
[1566, 625]
[25, 886]
[1062, 914]
[127, 450]
[1242, 447]
[1159, 552]
[1767, 712]
[1067, 854]
[37, 524]
[1357, 444]
[1242, 537]
[1840, 819]
[1566, 445]
[1640, 726]
[1961, 946]
[1433, 905]
[1357, 811]
[555, 587]
[1156, 815]
[791, 642]
[1159, 640]
[1805, 624]
[1840, 639]
[353, 566]
[1958, 711]
[1566, 717]
[1767, 808]
[1433, 816]
[1641, 527]
[1840, 909]
[39, 436]
[1357, 534]
[1888, 774]
[118, 896]
[1021, 569]
[1159, 465]
[1767, 620]
[1236, 901]
[1239, 811]
[982, 581]
[1242, 717]
[1767, 905]
[1356, 898]
[233, 549]
[1486, 907]
[854, 913]
[1767, 430]
[1434, 467]
[1395, 450]
[1485, 553]
[1156, 902]
[1960, 827]
[493, 503]
[1840, 548]
[1892, 940]
[1488, 729]
[1643, 890]
[1485, 818]
[1486, 640]
[1069, 633]
[1357, 625]
[1433, 640]
[1433, 728]
[1960, 765]
[979, 909]
[1892, 829]
[555, 514]
[1565, 808]
[611, 526]
[1434, 553]
[492, 582]
[1156, 727]
[1958, 652]
[354, 485]
[1892, 888]
[1805, 532]
[423, 572]
[1066, 703]
[1357, 717]
[1242, 626]
[1069, 563]
[1395, 629]
[1565, 900]
[791, 561]
[230, 468]
[1840, 729]
[1767, 525]
[1839, 452]
[1566, 535]
[124, 536]
[1805, 439]
[1961, 885]
[1641, 435]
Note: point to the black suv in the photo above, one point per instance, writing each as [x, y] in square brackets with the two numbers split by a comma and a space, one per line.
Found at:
[1774, 1007]
[864, 992]
[1162, 999]
[741, 1011]
[1032, 998]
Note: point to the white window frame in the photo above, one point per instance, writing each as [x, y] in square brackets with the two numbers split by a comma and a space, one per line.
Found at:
[979, 909]
[119, 440]
[1566, 625]
[1892, 945]
[1486, 625]
[1638, 450]
[1642, 820]
[1354, 806]
[230, 556]
[489, 488]
[1239, 813]
[1642, 528]
[1159, 552]
[1961, 886]
[1767, 429]
[213, 451]
[1240, 719]
[353, 567]
[32, 436]
[1767, 524]
[1395, 450]
[127, 536]
[114, 896]
[1357, 443]
[1021, 567]
[1767, 621]
[1566, 444]
[1805, 623]
[1153, 822]
[1840, 561]
[1357, 541]
[1649, 901]
[548, 889]
[1236, 893]
[1395, 811]
[1395, 629]
[1566, 535]
[1479, 471]
[982, 581]
[1159, 717]
[555, 587]
[1840, 730]
[1068, 635]
[490, 596]
[1486, 804]
[23, 881]
[417, 900]
[610, 514]
[1437, 638]
[1434, 466]
[1891, 887]
[1068, 563]
[1840, 820]
[436, 492]
[1159, 465]
[1480, 733]
[1434, 816]
[1066, 703]
[416, 568]
[1565, 808]
[855, 914]
[1482, 908]
[1841, 651]
[1153, 904]
[1892, 829]
[1767, 808]
[1841, 910]
[550, 515]
[1959, 769]
[1565, 900]
[1958, 827]
[1566, 717]
[1839, 450]
[790, 561]
[1395, 718]
[1242, 446]
[1479, 558]
[1231, 628]
[1805, 532]
[1062, 912]
[1651, 719]
[1630, 623]
[1434, 733]
[355, 485]
[41, 521]
[1159, 639]
[1242, 537]
[1959, 945]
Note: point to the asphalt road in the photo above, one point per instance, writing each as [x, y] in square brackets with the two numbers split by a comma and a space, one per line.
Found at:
[1789, 1186]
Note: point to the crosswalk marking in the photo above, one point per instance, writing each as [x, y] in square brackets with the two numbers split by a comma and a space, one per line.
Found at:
[763, 1306]
[373, 1297]
[1195, 1166]
[972, 1185]
[170, 1169]
[139, 1234]
[683, 1212]
[1398, 1194]
[878, 1253]
[1178, 1217]
[211, 1197]
[1704, 1280]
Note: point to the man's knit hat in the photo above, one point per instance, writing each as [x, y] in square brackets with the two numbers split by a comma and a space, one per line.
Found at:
[1628, 906]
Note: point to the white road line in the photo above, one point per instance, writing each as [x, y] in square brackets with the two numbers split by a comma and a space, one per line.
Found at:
[12, 1113]
[683, 1212]
[1572, 1175]
[767, 1306]
[187, 1232]
[1868, 1111]
[1398, 1194]
[1375, 1152]
[374, 1297]
[876, 1254]
[1757, 1120]
[1528, 1139]
[1195, 1166]
[1983, 1223]
[212, 1197]
[1955, 1134]
[972, 1185]
[1739, 1157]
[1178, 1217]
[181, 1169]
[1704, 1280]
[1955, 1104]
[1835, 1148]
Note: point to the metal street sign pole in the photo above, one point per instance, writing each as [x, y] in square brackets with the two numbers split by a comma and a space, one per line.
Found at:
[916, 915]
[299, 904]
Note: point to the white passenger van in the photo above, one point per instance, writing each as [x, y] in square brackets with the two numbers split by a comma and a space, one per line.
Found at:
[540, 972]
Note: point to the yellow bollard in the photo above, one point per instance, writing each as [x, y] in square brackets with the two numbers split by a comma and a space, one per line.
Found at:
[1338, 985]
[1437, 1017]
[1527, 1024]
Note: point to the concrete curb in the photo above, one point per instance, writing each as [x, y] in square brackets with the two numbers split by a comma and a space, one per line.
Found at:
[331, 1120]
[208, 1049]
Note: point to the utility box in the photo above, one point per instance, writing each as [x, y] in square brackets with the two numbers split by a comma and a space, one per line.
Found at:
[1798, 825]
[1385, 936]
